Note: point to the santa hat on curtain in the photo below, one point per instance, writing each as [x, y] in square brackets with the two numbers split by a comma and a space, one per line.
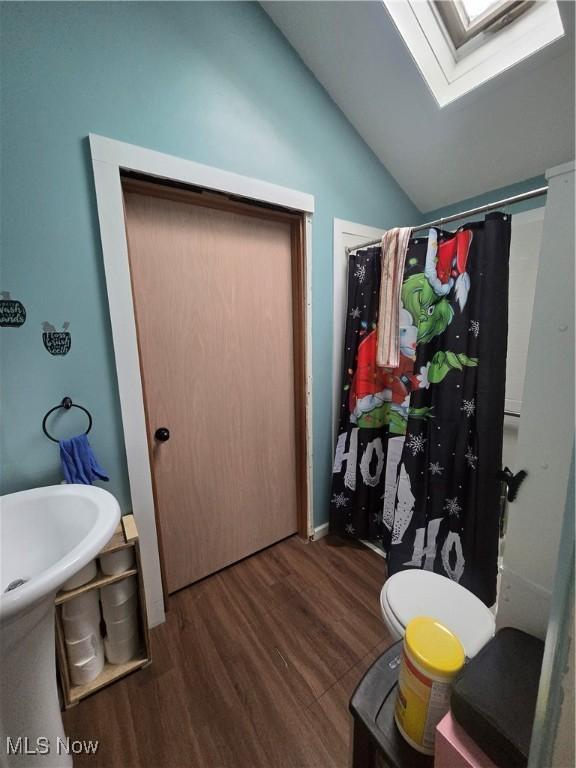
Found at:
[446, 265]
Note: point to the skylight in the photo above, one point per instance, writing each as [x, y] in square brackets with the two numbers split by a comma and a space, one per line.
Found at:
[475, 8]
[460, 44]
[465, 20]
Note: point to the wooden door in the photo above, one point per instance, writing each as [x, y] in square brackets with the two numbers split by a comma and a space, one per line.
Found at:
[213, 284]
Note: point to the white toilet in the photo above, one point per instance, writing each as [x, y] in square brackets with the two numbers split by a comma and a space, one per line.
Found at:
[413, 593]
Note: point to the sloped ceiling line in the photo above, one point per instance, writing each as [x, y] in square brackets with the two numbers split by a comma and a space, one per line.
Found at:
[510, 129]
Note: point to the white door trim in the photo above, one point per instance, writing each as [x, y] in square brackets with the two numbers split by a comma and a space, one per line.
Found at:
[109, 157]
[546, 429]
[524, 217]
[363, 233]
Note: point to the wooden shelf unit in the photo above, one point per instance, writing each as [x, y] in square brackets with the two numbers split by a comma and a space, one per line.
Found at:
[126, 535]
[100, 580]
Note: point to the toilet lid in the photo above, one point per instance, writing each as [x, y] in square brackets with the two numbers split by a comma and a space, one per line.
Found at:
[422, 593]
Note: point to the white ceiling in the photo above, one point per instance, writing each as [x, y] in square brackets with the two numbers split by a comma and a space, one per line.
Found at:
[510, 129]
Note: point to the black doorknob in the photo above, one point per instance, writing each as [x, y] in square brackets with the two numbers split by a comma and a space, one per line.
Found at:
[162, 434]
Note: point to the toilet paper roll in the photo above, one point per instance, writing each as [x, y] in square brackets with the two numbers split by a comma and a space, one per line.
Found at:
[117, 631]
[81, 625]
[87, 602]
[81, 651]
[83, 576]
[89, 670]
[120, 611]
[119, 592]
[114, 563]
[122, 651]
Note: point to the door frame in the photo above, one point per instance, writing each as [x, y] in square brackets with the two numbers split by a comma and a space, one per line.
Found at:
[109, 159]
[362, 233]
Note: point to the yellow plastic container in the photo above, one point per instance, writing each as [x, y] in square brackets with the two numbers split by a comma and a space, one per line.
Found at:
[431, 658]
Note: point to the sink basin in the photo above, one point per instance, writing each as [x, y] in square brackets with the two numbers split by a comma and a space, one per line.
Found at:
[46, 536]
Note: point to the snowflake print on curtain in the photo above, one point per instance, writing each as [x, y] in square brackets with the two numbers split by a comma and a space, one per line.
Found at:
[419, 447]
[357, 487]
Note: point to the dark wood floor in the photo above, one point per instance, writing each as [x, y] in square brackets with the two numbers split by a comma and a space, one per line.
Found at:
[254, 667]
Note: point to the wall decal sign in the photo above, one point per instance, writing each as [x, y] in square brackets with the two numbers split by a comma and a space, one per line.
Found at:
[12, 312]
[56, 342]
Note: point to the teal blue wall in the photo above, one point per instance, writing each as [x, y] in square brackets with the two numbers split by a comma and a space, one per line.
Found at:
[489, 197]
[212, 82]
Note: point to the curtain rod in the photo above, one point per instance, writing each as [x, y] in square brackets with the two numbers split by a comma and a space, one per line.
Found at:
[472, 212]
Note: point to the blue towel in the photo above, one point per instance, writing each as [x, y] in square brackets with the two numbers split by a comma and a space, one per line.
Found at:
[79, 464]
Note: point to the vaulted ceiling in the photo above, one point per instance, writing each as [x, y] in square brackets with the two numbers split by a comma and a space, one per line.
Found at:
[508, 130]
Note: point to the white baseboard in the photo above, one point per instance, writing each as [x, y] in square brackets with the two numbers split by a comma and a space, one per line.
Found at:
[522, 604]
[320, 532]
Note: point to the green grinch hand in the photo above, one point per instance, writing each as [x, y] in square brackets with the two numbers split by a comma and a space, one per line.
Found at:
[444, 362]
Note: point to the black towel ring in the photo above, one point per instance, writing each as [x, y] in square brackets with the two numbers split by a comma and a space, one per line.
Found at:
[66, 404]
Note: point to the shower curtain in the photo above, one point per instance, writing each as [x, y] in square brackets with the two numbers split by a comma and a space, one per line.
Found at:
[419, 447]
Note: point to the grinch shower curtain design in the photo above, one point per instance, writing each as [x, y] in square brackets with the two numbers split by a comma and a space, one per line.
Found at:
[419, 447]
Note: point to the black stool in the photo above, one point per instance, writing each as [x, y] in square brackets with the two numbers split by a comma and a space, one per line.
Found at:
[376, 740]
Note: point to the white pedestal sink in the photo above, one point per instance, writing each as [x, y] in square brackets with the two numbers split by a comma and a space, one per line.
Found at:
[46, 536]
